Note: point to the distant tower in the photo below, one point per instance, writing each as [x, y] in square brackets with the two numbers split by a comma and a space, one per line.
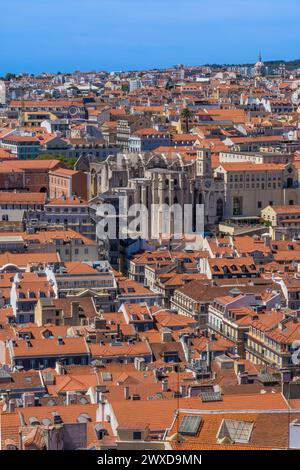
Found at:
[259, 67]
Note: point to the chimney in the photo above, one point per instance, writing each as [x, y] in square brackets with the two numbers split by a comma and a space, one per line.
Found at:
[100, 391]
[165, 385]
[60, 341]
[126, 393]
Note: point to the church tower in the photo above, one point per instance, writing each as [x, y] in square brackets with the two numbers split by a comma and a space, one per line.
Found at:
[259, 67]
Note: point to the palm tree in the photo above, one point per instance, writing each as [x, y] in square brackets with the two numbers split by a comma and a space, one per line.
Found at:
[186, 114]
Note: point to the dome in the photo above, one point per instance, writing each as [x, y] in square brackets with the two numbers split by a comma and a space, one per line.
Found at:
[259, 66]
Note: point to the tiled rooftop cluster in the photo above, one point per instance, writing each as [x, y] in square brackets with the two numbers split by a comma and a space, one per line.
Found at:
[186, 342]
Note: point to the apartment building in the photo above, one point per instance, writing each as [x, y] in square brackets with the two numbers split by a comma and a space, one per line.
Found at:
[250, 187]
[284, 220]
[230, 316]
[70, 212]
[291, 291]
[124, 353]
[273, 341]
[37, 353]
[66, 182]
[75, 277]
[70, 245]
[63, 109]
[144, 140]
[26, 289]
[193, 300]
[17, 206]
[229, 268]
[69, 311]
[138, 315]
[25, 147]
[26, 175]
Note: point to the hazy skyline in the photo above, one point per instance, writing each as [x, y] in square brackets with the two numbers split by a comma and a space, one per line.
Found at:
[68, 35]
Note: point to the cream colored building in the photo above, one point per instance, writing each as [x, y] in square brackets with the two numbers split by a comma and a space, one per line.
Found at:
[254, 157]
[250, 187]
[284, 221]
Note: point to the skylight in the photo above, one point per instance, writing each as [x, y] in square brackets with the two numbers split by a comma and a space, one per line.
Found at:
[190, 425]
[236, 431]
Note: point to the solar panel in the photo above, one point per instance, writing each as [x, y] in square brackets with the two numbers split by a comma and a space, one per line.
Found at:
[267, 378]
[210, 396]
[190, 425]
[237, 431]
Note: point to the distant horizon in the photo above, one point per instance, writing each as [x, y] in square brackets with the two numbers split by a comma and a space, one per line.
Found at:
[138, 70]
[129, 35]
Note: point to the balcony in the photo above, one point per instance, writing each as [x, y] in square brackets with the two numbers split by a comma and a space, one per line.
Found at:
[260, 355]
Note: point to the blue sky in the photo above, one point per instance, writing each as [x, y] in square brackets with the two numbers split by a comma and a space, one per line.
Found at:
[68, 35]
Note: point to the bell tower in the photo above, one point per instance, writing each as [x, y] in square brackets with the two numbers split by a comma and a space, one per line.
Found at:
[203, 168]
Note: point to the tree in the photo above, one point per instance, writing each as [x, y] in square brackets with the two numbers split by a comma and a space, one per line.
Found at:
[69, 162]
[186, 114]
[9, 76]
[125, 87]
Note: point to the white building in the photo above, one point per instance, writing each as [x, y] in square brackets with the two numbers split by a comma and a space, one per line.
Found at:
[2, 92]
[134, 84]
